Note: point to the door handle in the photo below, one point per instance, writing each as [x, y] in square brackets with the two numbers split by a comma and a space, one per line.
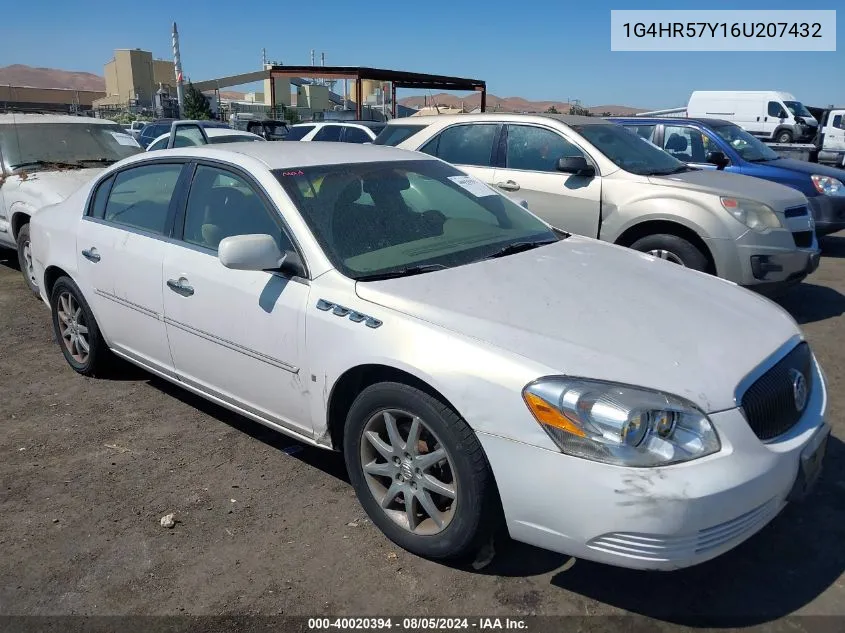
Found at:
[180, 286]
[91, 254]
[510, 185]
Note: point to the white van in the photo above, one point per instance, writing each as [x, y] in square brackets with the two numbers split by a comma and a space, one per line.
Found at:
[768, 114]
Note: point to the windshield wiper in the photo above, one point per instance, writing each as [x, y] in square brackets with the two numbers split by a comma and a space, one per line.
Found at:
[99, 161]
[518, 247]
[402, 272]
[46, 163]
[677, 170]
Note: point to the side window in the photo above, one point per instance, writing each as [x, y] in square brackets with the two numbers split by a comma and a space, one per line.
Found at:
[537, 149]
[101, 196]
[222, 204]
[776, 110]
[837, 122]
[465, 144]
[356, 135]
[159, 144]
[328, 133]
[188, 136]
[298, 131]
[140, 197]
[686, 144]
[645, 131]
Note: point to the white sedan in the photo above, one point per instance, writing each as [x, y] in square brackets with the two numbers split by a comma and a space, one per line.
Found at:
[472, 364]
[215, 136]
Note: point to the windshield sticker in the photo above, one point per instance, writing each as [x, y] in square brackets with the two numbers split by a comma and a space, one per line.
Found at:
[124, 139]
[475, 187]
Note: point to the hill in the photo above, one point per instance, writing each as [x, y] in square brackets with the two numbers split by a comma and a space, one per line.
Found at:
[21, 75]
[509, 104]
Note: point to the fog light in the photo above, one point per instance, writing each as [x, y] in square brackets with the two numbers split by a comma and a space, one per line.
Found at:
[761, 266]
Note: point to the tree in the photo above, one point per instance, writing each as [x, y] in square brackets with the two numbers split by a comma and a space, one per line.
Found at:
[552, 110]
[196, 105]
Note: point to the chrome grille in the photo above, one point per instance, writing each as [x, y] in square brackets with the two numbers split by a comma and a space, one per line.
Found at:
[769, 403]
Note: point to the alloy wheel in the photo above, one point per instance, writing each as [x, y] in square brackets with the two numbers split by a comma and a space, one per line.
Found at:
[409, 472]
[28, 265]
[73, 328]
[669, 256]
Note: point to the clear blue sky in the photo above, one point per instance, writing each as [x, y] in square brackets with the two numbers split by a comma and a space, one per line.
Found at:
[538, 50]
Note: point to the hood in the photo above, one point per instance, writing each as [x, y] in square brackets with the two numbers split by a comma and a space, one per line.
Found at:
[49, 187]
[720, 183]
[804, 167]
[586, 308]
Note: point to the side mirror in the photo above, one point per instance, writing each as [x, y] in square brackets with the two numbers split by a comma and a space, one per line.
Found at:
[717, 158]
[250, 252]
[576, 165]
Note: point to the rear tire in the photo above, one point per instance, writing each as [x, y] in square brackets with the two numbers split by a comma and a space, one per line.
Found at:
[25, 260]
[674, 249]
[784, 136]
[384, 469]
[77, 331]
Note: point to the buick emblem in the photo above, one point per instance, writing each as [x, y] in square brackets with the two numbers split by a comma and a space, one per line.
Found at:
[799, 389]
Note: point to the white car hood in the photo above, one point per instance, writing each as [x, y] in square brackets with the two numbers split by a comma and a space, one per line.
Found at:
[41, 188]
[585, 308]
[777, 196]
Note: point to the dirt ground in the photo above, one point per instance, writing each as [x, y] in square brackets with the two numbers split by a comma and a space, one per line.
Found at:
[267, 526]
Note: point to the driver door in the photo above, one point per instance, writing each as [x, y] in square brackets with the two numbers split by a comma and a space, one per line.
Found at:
[566, 201]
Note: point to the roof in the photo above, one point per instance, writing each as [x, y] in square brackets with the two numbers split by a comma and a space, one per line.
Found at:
[342, 122]
[400, 78]
[701, 120]
[566, 119]
[290, 155]
[18, 117]
[213, 132]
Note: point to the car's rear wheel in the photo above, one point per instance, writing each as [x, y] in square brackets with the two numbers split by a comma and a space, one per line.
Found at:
[673, 249]
[420, 472]
[25, 259]
[76, 329]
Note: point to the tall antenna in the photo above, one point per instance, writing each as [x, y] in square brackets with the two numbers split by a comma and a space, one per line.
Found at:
[312, 56]
[177, 66]
[263, 57]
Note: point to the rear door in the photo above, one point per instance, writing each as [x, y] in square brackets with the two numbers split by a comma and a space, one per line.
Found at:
[469, 146]
[566, 201]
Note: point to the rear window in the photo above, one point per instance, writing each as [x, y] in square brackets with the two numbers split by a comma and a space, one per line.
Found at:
[298, 131]
[394, 134]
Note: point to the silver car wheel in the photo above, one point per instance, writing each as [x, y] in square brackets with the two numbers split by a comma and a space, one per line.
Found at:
[73, 328]
[409, 472]
[30, 268]
[667, 255]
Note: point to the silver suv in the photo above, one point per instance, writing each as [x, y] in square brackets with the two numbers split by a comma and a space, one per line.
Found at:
[595, 178]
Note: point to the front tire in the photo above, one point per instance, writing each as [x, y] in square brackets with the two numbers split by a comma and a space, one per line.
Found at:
[673, 249]
[784, 136]
[25, 260]
[77, 331]
[420, 472]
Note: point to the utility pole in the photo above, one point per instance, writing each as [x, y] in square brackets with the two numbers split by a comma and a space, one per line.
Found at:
[177, 65]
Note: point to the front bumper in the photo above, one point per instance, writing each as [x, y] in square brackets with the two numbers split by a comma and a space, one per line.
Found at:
[829, 213]
[654, 518]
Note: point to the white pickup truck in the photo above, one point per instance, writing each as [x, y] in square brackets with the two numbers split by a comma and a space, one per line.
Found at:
[43, 159]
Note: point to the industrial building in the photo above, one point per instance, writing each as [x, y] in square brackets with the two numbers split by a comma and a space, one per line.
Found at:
[134, 78]
[47, 99]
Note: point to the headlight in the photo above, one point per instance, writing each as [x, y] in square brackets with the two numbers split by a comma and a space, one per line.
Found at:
[828, 186]
[755, 215]
[618, 424]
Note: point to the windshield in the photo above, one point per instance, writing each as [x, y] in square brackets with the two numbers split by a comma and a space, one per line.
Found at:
[746, 145]
[797, 108]
[275, 129]
[376, 218]
[28, 144]
[629, 150]
[394, 134]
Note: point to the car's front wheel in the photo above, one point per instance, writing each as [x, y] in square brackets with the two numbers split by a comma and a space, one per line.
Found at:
[420, 472]
[25, 259]
[673, 249]
[784, 136]
[76, 329]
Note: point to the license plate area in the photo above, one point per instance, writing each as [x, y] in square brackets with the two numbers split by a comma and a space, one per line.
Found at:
[810, 465]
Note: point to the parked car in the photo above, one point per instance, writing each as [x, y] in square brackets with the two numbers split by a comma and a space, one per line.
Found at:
[769, 114]
[156, 128]
[325, 309]
[213, 136]
[43, 159]
[594, 178]
[336, 131]
[269, 129]
[715, 144]
[134, 129]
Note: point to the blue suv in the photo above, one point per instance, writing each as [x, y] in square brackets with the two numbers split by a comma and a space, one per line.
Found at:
[716, 144]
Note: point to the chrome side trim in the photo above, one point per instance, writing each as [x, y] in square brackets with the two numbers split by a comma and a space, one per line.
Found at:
[128, 304]
[772, 360]
[235, 347]
[163, 372]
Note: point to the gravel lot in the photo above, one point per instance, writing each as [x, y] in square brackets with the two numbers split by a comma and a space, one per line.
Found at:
[265, 525]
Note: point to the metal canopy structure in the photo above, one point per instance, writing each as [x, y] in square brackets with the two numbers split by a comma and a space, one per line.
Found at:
[358, 74]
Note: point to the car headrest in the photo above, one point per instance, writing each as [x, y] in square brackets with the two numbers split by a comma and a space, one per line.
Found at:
[677, 143]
